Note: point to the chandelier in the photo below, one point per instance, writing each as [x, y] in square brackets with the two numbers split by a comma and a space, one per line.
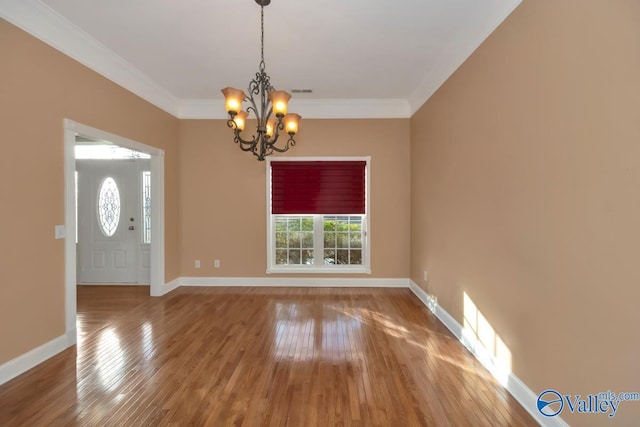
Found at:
[269, 106]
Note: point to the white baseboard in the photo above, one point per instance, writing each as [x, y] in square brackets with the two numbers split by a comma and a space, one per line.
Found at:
[72, 337]
[111, 284]
[170, 286]
[519, 390]
[32, 358]
[322, 282]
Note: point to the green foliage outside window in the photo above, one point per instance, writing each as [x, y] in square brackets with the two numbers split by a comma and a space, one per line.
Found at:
[342, 240]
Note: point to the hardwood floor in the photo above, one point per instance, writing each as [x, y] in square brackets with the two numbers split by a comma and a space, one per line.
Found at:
[258, 357]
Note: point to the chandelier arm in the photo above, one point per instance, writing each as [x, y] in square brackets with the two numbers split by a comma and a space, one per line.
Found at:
[238, 139]
[244, 143]
[290, 143]
[251, 148]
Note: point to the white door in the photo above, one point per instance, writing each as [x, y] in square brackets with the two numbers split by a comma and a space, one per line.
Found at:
[109, 222]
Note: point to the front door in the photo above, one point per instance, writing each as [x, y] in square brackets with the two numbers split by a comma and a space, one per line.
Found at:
[108, 221]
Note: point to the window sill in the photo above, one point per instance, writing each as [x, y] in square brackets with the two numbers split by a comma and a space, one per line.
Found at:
[321, 270]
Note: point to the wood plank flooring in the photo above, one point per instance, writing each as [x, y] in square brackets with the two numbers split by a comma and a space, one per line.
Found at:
[258, 357]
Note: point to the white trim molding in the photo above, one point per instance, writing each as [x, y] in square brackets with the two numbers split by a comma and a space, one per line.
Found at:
[32, 358]
[170, 286]
[352, 108]
[319, 282]
[518, 389]
[308, 108]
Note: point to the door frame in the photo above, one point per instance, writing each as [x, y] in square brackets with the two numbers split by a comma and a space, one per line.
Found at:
[71, 129]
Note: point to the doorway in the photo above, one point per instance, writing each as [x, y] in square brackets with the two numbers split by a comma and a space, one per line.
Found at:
[72, 130]
[113, 218]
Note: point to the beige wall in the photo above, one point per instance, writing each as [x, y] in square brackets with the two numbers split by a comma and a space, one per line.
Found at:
[223, 193]
[526, 194]
[39, 87]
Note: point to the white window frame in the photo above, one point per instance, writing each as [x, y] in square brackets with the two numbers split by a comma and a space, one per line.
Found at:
[364, 268]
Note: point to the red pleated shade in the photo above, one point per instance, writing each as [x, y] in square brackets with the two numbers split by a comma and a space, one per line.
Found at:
[318, 187]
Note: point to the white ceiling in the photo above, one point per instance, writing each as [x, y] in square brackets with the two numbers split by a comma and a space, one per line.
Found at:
[361, 58]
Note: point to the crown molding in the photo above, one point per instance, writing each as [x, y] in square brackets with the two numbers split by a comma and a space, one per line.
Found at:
[308, 108]
[47, 25]
[352, 108]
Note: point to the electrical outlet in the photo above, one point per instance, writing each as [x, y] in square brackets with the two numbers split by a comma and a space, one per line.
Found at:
[216, 263]
[425, 277]
[197, 263]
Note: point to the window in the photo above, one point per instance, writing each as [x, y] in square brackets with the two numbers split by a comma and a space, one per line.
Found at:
[109, 207]
[146, 207]
[107, 152]
[317, 215]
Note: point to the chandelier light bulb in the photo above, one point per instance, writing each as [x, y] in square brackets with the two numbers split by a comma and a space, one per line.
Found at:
[271, 124]
[291, 123]
[279, 100]
[233, 99]
[240, 120]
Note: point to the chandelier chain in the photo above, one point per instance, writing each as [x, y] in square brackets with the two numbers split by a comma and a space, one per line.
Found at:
[262, 66]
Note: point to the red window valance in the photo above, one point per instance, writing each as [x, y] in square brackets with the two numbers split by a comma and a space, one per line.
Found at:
[318, 187]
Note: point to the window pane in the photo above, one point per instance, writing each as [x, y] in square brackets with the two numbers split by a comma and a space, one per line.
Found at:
[329, 257]
[329, 240]
[146, 207]
[294, 257]
[281, 224]
[109, 207]
[281, 256]
[355, 257]
[342, 240]
[107, 152]
[281, 240]
[307, 224]
[342, 257]
[294, 240]
[355, 240]
[307, 240]
[294, 224]
[329, 223]
[307, 257]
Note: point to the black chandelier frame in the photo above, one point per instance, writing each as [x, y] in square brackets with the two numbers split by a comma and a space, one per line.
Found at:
[261, 145]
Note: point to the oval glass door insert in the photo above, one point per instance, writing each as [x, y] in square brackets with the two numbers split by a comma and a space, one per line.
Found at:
[108, 207]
